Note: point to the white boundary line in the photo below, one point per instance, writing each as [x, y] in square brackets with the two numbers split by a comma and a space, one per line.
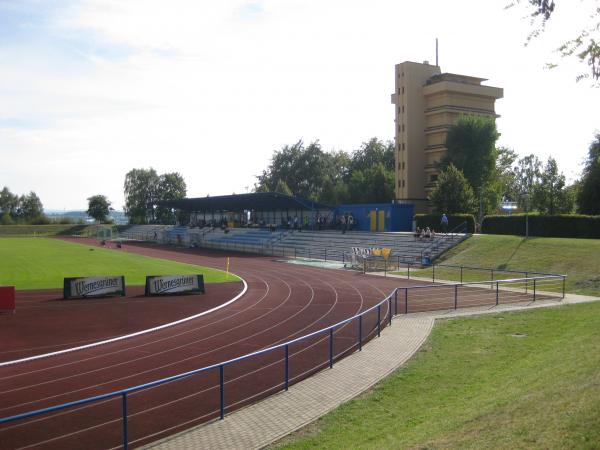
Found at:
[127, 336]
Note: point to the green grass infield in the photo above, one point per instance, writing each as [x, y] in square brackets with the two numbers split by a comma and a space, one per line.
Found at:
[39, 263]
[522, 380]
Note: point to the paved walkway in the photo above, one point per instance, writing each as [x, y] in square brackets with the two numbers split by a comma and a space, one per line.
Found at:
[265, 422]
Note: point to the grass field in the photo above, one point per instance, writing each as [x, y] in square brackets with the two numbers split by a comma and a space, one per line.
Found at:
[577, 258]
[36, 263]
[514, 380]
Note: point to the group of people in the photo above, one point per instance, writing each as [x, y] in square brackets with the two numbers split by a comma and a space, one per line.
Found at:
[428, 233]
[346, 222]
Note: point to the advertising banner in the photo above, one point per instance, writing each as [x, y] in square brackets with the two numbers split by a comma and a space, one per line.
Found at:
[174, 284]
[90, 287]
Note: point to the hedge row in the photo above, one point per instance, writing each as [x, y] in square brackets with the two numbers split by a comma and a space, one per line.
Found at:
[433, 221]
[577, 226]
[41, 230]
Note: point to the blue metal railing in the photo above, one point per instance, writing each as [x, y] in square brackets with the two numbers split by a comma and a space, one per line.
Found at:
[381, 321]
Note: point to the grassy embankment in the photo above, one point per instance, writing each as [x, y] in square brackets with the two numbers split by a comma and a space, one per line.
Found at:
[34, 263]
[513, 380]
[577, 258]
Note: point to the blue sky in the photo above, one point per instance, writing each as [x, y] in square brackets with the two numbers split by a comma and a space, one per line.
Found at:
[91, 89]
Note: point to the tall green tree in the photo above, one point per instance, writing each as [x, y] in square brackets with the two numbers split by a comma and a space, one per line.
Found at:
[98, 208]
[471, 144]
[170, 186]
[8, 202]
[30, 208]
[505, 173]
[141, 195]
[588, 197]
[527, 176]
[371, 185]
[453, 193]
[550, 195]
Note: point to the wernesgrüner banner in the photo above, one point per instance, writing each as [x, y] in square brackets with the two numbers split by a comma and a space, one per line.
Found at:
[94, 287]
[174, 284]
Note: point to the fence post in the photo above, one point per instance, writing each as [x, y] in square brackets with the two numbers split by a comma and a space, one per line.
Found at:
[534, 289]
[390, 310]
[564, 282]
[287, 366]
[405, 300]
[433, 273]
[222, 390]
[125, 431]
[497, 294]
[396, 300]
[331, 348]
[359, 333]
[378, 320]
[461, 274]
[456, 296]
[526, 281]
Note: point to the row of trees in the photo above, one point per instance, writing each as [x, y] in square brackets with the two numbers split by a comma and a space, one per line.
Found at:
[20, 208]
[476, 176]
[145, 191]
[365, 175]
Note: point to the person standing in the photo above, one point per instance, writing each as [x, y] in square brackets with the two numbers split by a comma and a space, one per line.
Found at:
[444, 223]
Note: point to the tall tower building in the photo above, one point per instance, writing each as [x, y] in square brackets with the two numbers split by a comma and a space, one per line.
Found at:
[427, 103]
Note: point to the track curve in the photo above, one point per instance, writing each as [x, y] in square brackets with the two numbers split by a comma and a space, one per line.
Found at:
[283, 301]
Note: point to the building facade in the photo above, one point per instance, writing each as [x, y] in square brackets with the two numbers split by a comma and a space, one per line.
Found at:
[426, 104]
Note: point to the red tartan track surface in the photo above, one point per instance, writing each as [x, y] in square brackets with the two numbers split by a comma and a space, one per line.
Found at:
[283, 301]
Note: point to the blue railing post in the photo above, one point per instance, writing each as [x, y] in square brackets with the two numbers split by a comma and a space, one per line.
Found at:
[405, 300]
[497, 294]
[456, 296]
[125, 430]
[461, 274]
[526, 281]
[222, 389]
[534, 289]
[287, 366]
[396, 300]
[331, 348]
[408, 265]
[433, 273]
[564, 282]
[390, 310]
[359, 333]
[378, 320]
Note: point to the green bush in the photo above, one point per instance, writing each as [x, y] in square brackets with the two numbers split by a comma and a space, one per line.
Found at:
[562, 225]
[433, 221]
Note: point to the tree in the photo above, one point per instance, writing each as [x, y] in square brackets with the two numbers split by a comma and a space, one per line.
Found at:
[171, 186]
[141, 195]
[8, 202]
[453, 194]
[588, 197]
[30, 208]
[471, 149]
[98, 208]
[585, 44]
[527, 176]
[505, 173]
[550, 195]
[371, 185]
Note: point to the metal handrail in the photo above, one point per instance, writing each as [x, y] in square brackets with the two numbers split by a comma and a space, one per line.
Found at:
[460, 228]
[285, 345]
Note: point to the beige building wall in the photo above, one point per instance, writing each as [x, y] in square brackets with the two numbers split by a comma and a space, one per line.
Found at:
[427, 103]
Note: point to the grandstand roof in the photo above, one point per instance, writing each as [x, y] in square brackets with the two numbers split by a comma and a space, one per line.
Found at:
[257, 201]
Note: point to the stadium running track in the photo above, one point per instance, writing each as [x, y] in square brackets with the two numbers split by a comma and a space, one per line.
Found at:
[283, 301]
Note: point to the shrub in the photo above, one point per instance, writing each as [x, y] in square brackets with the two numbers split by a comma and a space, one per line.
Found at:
[433, 221]
[562, 225]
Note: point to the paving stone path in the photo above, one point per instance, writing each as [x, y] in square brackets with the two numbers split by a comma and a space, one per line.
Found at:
[267, 421]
